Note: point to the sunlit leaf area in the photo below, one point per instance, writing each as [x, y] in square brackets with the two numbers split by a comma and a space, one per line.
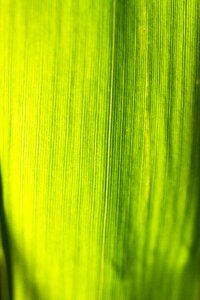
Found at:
[100, 149]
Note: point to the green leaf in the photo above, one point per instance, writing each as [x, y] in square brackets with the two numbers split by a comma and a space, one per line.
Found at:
[100, 149]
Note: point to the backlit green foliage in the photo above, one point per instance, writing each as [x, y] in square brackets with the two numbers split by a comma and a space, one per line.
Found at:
[100, 149]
